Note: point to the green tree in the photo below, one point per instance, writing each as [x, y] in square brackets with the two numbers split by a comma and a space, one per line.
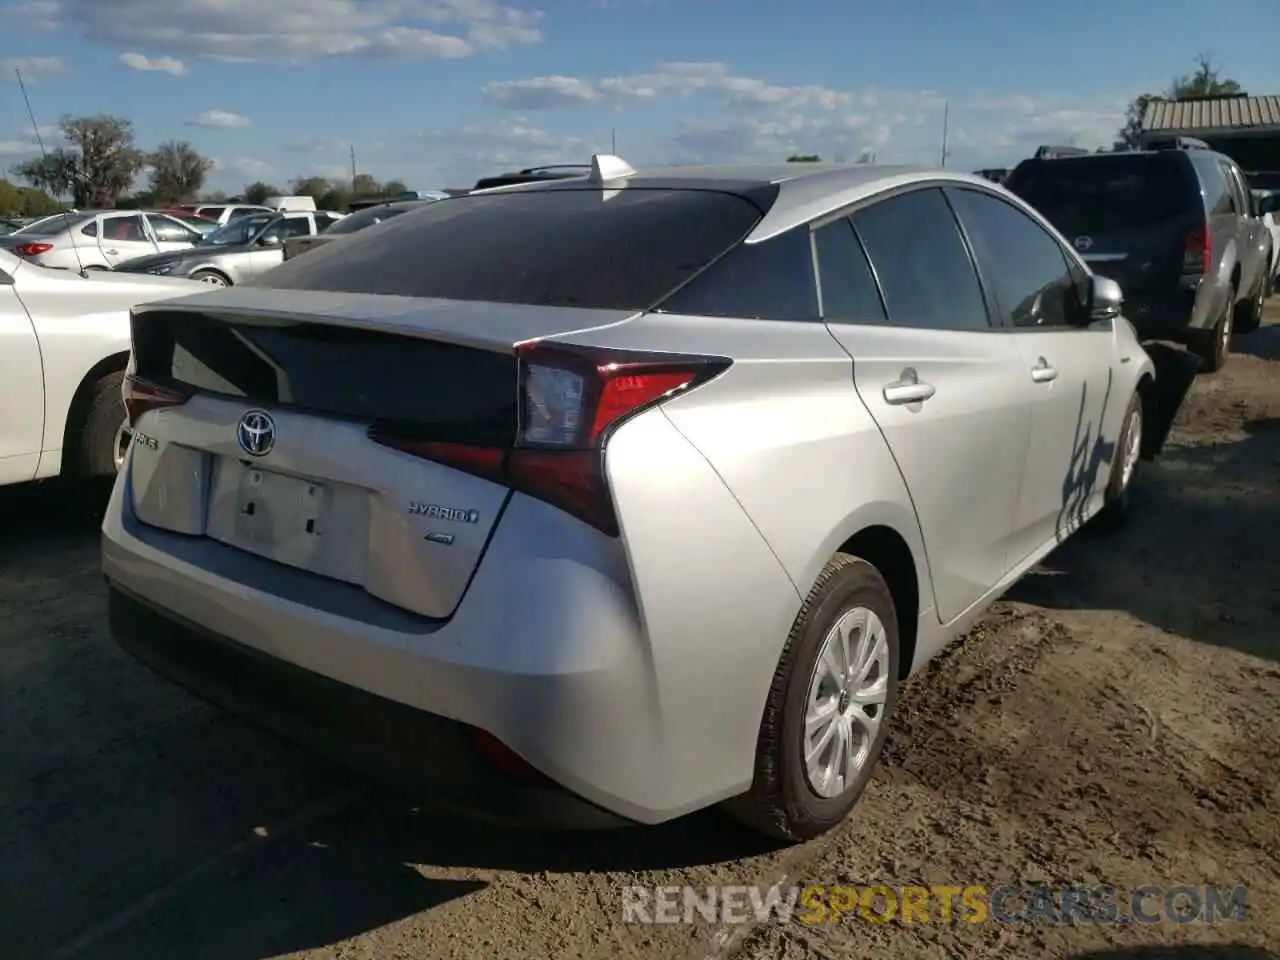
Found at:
[16, 201]
[314, 187]
[1205, 81]
[55, 172]
[364, 187]
[98, 165]
[804, 158]
[393, 187]
[257, 192]
[178, 172]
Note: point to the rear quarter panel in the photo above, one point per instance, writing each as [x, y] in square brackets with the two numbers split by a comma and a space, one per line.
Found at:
[79, 324]
[785, 431]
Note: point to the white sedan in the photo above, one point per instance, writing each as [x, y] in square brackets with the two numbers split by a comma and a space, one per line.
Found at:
[64, 340]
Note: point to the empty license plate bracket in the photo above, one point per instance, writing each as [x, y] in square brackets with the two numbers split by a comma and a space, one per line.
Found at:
[274, 510]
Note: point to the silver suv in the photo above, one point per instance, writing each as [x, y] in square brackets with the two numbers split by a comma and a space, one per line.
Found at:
[1176, 227]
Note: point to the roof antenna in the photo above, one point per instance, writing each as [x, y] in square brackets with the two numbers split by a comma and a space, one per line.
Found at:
[35, 128]
[606, 167]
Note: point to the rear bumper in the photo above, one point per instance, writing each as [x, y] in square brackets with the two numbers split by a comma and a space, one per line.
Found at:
[393, 741]
[647, 715]
[1161, 315]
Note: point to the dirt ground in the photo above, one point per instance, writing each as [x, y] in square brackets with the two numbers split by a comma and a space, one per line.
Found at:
[1115, 721]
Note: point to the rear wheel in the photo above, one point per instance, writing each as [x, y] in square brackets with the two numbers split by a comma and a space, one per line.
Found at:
[1250, 315]
[824, 723]
[1214, 346]
[104, 438]
[211, 277]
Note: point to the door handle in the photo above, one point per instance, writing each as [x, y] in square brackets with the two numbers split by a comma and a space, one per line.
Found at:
[908, 388]
[111, 253]
[1042, 372]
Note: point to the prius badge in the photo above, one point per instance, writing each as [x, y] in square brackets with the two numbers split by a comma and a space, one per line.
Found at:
[1083, 243]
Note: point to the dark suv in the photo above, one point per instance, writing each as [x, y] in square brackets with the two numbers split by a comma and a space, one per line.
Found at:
[1176, 227]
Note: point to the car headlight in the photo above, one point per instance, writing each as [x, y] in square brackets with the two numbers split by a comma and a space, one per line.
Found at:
[161, 269]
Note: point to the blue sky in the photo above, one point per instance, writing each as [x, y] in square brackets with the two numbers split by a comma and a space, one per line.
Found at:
[439, 92]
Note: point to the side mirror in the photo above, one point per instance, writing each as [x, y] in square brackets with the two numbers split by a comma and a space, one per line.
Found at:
[269, 240]
[1105, 299]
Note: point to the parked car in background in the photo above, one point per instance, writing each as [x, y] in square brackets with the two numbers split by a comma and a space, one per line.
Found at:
[98, 239]
[224, 213]
[8, 226]
[296, 204]
[563, 171]
[360, 220]
[64, 340]
[873, 396]
[242, 249]
[357, 205]
[1175, 227]
[1271, 219]
[197, 223]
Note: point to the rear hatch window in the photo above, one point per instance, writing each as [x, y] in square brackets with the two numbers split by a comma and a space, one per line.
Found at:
[1128, 215]
[564, 247]
[1107, 192]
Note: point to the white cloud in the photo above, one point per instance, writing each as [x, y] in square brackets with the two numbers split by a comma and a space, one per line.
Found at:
[238, 31]
[32, 68]
[1016, 125]
[137, 61]
[253, 168]
[16, 148]
[667, 79]
[220, 118]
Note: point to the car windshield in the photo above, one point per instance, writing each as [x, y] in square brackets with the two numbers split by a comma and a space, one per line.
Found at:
[241, 230]
[1103, 192]
[365, 218]
[53, 225]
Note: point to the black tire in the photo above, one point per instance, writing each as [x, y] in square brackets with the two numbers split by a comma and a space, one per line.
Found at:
[1116, 509]
[1213, 346]
[781, 803]
[1249, 316]
[212, 277]
[95, 443]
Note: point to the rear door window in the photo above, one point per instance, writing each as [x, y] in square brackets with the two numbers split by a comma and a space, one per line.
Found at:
[1107, 191]
[622, 249]
[849, 291]
[925, 270]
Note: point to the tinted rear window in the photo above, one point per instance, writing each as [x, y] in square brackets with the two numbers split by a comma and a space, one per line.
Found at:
[53, 226]
[1107, 192]
[607, 249]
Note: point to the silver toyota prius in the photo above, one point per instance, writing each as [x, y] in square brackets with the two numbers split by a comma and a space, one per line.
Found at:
[602, 500]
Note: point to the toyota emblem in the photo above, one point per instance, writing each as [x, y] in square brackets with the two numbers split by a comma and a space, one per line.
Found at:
[256, 433]
[1083, 243]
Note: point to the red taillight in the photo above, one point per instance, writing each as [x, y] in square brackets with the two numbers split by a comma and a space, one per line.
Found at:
[32, 249]
[571, 398]
[141, 396]
[1196, 252]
